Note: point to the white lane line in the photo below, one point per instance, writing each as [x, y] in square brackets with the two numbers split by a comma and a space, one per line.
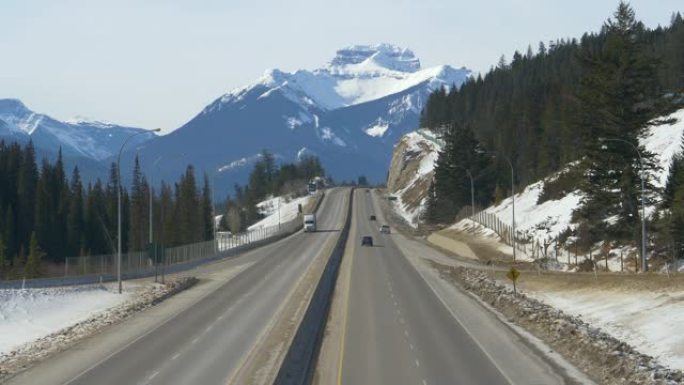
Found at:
[405, 333]
[401, 320]
[411, 346]
[175, 356]
[195, 340]
[153, 375]
[417, 363]
[208, 328]
[424, 382]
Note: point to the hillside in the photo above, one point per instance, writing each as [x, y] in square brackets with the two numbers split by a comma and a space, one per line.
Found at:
[540, 223]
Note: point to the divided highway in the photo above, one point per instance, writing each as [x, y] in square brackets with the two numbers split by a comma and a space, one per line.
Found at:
[207, 342]
[394, 329]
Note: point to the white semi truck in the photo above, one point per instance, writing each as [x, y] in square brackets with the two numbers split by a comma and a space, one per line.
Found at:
[310, 223]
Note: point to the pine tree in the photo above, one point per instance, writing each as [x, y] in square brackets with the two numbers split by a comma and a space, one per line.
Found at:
[26, 192]
[619, 99]
[33, 261]
[207, 210]
[3, 260]
[75, 230]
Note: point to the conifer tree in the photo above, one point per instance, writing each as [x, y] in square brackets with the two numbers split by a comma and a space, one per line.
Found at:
[33, 261]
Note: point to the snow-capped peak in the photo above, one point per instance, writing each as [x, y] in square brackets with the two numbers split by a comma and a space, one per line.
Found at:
[385, 56]
[357, 74]
[84, 120]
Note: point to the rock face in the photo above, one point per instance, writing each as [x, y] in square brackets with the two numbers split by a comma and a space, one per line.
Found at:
[411, 171]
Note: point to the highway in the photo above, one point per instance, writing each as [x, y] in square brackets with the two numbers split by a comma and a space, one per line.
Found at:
[207, 342]
[396, 330]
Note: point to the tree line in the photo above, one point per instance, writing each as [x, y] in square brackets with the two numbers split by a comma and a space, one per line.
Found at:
[578, 107]
[45, 215]
[267, 178]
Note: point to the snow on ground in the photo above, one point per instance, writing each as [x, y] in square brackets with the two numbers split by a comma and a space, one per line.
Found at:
[29, 314]
[649, 321]
[545, 221]
[289, 208]
[665, 142]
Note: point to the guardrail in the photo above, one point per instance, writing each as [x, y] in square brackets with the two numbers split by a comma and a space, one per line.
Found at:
[138, 264]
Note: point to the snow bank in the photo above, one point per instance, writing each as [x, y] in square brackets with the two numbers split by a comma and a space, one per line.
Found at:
[26, 315]
[651, 322]
[289, 208]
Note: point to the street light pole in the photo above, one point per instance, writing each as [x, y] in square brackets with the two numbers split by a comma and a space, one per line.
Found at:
[118, 182]
[644, 265]
[512, 196]
[472, 195]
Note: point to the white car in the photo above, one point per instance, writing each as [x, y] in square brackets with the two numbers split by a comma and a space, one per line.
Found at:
[385, 229]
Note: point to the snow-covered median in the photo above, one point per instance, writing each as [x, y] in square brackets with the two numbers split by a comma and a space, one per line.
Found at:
[26, 315]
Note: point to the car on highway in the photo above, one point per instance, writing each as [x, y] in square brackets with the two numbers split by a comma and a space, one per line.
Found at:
[385, 229]
[372, 217]
[367, 241]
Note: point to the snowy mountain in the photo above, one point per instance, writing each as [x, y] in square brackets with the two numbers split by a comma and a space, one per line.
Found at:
[78, 139]
[350, 113]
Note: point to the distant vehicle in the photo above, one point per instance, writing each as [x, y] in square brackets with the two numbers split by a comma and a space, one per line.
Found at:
[385, 229]
[372, 217]
[392, 198]
[367, 241]
[309, 223]
[312, 188]
[367, 190]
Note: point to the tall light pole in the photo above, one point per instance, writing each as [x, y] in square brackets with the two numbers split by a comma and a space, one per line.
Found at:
[472, 193]
[512, 195]
[118, 182]
[644, 265]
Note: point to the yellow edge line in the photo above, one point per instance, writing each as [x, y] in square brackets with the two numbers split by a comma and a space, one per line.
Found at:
[346, 306]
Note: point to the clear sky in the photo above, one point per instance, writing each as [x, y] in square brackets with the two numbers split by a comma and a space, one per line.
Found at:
[157, 63]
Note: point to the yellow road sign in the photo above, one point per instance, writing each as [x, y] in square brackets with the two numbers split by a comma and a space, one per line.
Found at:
[513, 274]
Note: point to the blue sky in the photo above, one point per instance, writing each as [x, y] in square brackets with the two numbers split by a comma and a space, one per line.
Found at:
[157, 63]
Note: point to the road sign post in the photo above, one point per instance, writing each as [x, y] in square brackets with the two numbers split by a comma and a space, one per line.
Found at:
[513, 275]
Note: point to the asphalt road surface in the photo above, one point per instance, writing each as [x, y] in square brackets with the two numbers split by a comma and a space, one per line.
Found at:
[397, 331]
[207, 342]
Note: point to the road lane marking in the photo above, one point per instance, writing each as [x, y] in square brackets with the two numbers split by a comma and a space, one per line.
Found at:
[352, 251]
[195, 340]
[175, 356]
[152, 376]
[424, 382]
[417, 363]
[458, 320]
[411, 346]
[405, 333]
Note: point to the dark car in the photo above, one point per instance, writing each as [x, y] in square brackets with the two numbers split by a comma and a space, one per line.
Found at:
[367, 241]
[372, 217]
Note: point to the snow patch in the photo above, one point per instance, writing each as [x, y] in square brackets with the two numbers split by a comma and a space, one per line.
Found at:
[278, 210]
[26, 315]
[377, 130]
